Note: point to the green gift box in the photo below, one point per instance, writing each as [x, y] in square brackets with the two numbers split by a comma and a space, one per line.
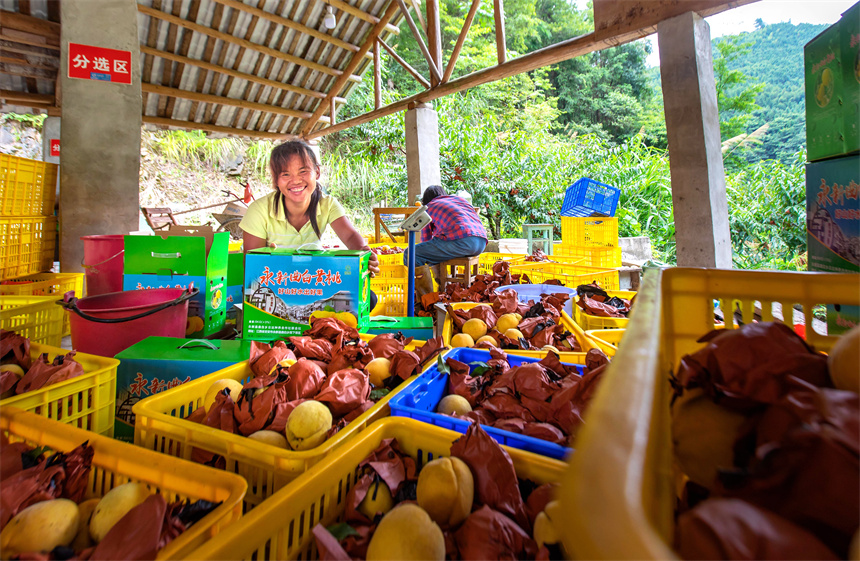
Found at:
[177, 258]
[157, 364]
[284, 287]
[420, 328]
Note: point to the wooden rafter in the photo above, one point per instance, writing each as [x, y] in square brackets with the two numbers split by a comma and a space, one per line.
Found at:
[28, 50]
[353, 64]
[499, 19]
[536, 59]
[242, 42]
[191, 125]
[183, 50]
[461, 39]
[29, 24]
[434, 38]
[22, 38]
[434, 71]
[214, 99]
[415, 74]
[353, 11]
[377, 76]
[288, 23]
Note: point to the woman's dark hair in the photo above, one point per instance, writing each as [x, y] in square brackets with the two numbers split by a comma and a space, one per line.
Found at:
[432, 192]
[278, 163]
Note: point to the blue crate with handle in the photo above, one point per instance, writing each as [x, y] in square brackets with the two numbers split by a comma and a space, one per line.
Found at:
[420, 399]
[588, 197]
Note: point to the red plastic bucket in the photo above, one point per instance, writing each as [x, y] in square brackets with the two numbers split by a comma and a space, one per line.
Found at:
[109, 323]
[103, 260]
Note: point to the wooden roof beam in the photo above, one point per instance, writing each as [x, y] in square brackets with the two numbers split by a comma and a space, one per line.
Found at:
[461, 39]
[190, 125]
[353, 64]
[235, 73]
[242, 42]
[229, 101]
[29, 24]
[352, 10]
[617, 17]
[404, 64]
[13, 97]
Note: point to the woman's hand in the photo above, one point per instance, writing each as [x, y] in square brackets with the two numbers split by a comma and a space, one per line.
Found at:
[373, 264]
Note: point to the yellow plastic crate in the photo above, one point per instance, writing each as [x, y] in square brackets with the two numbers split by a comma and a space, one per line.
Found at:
[27, 187]
[391, 293]
[115, 463]
[487, 259]
[396, 271]
[26, 245]
[589, 322]
[282, 527]
[43, 284]
[607, 340]
[569, 274]
[234, 246]
[606, 257]
[624, 450]
[571, 357]
[37, 317]
[589, 232]
[393, 258]
[160, 425]
[87, 402]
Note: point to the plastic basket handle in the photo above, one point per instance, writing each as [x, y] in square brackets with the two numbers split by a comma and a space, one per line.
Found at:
[85, 266]
[197, 344]
[72, 306]
[157, 255]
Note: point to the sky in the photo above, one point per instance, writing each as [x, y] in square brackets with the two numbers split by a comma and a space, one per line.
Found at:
[743, 18]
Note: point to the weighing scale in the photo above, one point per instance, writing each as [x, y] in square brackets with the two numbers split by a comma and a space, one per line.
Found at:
[413, 223]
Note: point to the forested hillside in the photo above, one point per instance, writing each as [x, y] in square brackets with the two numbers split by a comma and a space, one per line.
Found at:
[771, 58]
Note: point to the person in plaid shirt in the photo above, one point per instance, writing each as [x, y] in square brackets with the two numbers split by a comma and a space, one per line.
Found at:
[456, 230]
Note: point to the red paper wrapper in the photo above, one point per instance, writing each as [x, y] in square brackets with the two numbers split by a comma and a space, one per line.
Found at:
[264, 357]
[328, 548]
[305, 381]
[461, 383]
[332, 329]
[750, 367]
[136, 535]
[489, 534]
[308, 347]
[344, 391]
[14, 349]
[42, 373]
[353, 355]
[538, 499]
[734, 529]
[386, 345]
[496, 483]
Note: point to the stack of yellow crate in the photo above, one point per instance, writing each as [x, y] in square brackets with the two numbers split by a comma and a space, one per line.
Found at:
[594, 239]
[28, 228]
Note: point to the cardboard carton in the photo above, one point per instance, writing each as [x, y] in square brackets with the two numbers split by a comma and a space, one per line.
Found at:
[177, 258]
[284, 287]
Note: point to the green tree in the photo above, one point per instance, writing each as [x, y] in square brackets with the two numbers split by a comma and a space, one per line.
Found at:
[736, 98]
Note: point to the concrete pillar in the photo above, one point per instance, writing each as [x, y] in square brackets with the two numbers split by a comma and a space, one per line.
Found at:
[422, 151]
[100, 137]
[50, 134]
[693, 130]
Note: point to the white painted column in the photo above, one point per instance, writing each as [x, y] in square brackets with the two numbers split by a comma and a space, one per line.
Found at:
[693, 130]
[100, 136]
[422, 151]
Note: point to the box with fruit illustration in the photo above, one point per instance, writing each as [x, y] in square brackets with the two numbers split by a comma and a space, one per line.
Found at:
[157, 364]
[833, 227]
[284, 288]
[823, 68]
[177, 258]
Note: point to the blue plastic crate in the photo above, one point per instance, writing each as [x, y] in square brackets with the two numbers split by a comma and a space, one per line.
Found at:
[588, 197]
[419, 401]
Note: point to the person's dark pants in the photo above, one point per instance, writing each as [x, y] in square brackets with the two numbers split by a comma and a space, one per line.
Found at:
[438, 251]
[373, 300]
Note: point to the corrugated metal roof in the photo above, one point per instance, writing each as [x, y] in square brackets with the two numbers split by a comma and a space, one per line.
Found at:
[261, 66]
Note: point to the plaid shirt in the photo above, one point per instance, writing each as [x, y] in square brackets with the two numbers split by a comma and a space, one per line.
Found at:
[453, 219]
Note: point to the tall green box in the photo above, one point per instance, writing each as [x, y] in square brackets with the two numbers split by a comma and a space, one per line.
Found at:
[176, 259]
[850, 38]
[235, 278]
[157, 364]
[833, 226]
[284, 287]
[825, 93]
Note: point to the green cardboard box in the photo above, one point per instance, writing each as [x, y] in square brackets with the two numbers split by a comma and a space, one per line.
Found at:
[420, 328]
[850, 38]
[235, 279]
[833, 227]
[177, 258]
[157, 364]
[284, 287]
[824, 77]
